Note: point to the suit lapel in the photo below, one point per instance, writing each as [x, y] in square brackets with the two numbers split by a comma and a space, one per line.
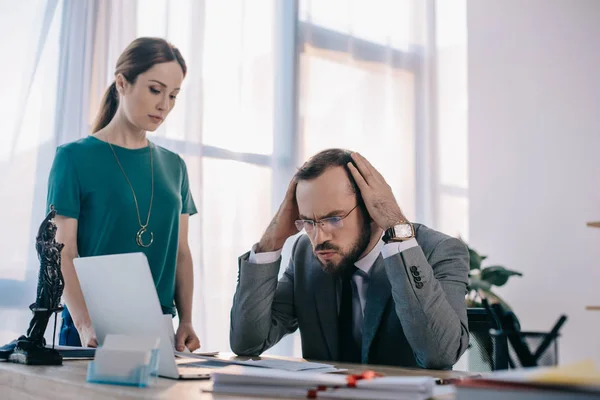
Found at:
[326, 300]
[378, 295]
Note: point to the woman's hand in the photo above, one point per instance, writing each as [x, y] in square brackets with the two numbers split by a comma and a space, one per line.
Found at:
[186, 337]
[87, 336]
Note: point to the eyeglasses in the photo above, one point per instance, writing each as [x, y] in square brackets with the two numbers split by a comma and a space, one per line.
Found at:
[328, 225]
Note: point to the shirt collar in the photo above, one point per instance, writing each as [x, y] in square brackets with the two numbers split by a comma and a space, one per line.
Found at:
[366, 263]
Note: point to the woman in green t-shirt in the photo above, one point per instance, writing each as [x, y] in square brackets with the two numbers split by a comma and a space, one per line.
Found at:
[117, 192]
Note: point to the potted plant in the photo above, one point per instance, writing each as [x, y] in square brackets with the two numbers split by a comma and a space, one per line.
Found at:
[482, 279]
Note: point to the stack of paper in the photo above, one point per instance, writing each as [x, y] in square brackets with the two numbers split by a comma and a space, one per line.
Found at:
[575, 381]
[291, 384]
[585, 373]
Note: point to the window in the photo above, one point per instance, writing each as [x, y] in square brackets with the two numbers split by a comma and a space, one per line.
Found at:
[27, 123]
[362, 85]
[223, 128]
[451, 117]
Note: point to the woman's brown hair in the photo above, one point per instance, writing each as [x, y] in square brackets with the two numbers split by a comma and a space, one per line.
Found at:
[141, 55]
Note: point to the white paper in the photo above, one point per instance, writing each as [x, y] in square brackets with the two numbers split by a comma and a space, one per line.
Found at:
[188, 354]
[443, 390]
[241, 376]
[196, 356]
[323, 370]
[301, 392]
[260, 390]
[244, 375]
[287, 365]
[358, 394]
[417, 384]
[59, 347]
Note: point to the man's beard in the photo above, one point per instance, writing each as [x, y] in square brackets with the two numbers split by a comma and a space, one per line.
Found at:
[348, 259]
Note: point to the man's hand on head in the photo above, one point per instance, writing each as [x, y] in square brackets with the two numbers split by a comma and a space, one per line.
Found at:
[283, 224]
[376, 193]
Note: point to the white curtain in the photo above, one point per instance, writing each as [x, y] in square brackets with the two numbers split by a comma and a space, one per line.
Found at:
[29, 119]
[63, 58]
[451, 116]
[222, 126]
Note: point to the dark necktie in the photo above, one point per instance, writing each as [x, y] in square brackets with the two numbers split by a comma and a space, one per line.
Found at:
[349, 349]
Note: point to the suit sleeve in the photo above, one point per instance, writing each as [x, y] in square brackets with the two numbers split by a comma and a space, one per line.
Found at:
[429, 298]
[263, 308]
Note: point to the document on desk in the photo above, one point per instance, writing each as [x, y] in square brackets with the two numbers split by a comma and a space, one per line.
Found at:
[189, 354]
[284, 365]
[282, 392]
[287, 365]
[261, 376]
[74, 352]
[313, 384]
[579, 380]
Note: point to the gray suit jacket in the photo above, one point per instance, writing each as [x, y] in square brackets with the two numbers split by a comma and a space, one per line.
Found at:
[415, 313]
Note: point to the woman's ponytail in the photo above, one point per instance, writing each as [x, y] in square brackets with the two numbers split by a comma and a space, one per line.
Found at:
[108, 108]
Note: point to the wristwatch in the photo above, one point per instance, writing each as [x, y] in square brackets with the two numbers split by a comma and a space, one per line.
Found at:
[399, 233]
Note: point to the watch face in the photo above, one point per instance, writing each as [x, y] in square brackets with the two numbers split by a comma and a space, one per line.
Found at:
[403, 231]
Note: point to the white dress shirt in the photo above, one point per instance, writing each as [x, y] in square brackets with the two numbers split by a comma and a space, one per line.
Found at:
[360, 278]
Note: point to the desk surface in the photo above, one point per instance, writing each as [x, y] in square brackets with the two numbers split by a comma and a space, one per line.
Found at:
[68, 382]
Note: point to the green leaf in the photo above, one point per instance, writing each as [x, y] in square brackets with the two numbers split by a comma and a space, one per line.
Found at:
[475, 259]
[497, 275]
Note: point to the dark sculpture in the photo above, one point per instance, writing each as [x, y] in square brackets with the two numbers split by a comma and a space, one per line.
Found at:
[31, 349]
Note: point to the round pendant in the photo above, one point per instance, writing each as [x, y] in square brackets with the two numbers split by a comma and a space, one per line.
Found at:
[139, 238]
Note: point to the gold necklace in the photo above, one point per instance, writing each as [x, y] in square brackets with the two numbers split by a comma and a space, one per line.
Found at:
[139, 235]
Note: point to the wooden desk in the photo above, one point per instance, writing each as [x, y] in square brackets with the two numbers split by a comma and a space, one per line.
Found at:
[68, 382]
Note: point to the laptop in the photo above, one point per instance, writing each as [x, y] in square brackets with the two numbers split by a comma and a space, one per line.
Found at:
[121, 299]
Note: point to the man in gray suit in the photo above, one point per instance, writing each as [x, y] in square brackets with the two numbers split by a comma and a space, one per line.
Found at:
[364, 285]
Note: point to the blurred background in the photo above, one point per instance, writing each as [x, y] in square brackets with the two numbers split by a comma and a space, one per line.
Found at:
[484, 117]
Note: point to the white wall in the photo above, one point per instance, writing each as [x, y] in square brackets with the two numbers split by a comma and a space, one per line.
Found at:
[534, 158]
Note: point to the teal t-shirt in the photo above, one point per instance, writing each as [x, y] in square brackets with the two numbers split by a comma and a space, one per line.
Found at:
[87, 184]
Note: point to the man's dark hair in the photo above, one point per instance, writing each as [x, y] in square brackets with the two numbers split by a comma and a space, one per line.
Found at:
[322, 161]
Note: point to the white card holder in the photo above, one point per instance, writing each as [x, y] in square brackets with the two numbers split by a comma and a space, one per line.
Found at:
[123, 360]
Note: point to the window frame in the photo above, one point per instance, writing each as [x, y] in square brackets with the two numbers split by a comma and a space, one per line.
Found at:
[416, 61]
